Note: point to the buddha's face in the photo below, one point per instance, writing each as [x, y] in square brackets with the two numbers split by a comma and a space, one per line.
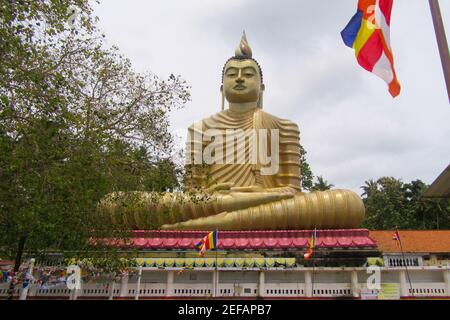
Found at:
[241, 81]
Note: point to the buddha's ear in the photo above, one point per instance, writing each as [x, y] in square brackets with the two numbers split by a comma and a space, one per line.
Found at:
[223, 97]
[260, 100]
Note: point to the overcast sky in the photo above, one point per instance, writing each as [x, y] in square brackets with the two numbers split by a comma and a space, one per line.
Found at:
[352, 129]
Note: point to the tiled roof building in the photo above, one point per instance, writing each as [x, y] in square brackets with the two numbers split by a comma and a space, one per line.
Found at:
[413, 241]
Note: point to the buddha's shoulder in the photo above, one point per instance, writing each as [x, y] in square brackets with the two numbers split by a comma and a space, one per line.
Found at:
[225, 117]
[212, 120]
[203, 123]
[283, 123]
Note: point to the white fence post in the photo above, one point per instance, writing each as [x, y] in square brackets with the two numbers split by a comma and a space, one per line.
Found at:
[138, 287]
[28, 277]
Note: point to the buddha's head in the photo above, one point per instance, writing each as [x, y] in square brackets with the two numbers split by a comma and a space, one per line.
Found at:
[242, 77]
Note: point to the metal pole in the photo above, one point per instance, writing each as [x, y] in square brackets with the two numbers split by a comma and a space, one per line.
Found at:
[313, 275]
[28, 277]
[314, 262]
[217, 269]
[216, 280]
[441, 41]
[406, 266]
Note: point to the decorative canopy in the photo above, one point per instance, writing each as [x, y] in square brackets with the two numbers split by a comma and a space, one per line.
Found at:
[254, 240]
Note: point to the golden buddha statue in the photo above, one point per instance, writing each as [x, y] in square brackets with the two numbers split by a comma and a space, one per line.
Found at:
[238, 185]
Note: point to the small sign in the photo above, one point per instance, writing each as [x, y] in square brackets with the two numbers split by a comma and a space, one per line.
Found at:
[389, 291]
[369, 295]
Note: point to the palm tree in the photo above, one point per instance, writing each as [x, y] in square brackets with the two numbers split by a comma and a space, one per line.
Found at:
[321, 184]
[369, 188]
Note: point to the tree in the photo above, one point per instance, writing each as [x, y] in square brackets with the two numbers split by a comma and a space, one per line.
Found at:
[369, 188]
[76, 122]
[321, 184]
[390, 204]
[305, 170]
[385, 206]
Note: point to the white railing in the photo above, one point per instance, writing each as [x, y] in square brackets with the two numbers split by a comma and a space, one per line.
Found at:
[335, 290]
[96, 290]
[192, 290]
[56, 291]
[237, 290]
[427, 289]
[4, 288]
[284, 290]
[88, 290]
[147, 290]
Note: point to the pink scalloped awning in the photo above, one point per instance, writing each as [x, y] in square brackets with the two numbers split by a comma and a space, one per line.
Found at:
[253, 240]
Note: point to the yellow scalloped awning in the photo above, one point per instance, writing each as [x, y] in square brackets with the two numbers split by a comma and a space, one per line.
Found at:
[249, 262]
[179, 262]
[209, 262]
[259, 262]
[199, 262]
[140, 261]
[169, 262]
[150, 262]
[220, 262]
[290, 262]
[239, 262]
[189, 262]
[229, 262]
[159, 262]
[270, 262]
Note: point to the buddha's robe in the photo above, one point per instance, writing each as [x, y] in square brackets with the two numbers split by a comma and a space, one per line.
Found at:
[337, 208]
[245, 171]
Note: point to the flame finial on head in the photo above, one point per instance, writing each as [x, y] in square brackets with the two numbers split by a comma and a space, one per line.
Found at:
[243, 50]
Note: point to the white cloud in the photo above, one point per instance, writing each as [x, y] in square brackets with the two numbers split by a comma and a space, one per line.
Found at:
[351, 127]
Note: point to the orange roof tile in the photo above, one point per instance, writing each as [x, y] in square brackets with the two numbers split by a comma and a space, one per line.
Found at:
[432, 241]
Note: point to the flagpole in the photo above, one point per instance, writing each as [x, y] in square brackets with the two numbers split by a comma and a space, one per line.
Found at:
[312, 282]
[404, 261]
[217, 270]
[314, 262]
[441, 41]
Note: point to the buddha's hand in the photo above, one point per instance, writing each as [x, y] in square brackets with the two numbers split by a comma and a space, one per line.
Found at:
[221, 187]
[253, 188]
[234, 198]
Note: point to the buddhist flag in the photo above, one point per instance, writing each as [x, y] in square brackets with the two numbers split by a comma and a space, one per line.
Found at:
[368, 32]
[396, 237]
[207, 243]
[312, 243]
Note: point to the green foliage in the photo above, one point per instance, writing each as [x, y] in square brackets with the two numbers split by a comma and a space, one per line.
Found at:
[390, 204]
[76, 123]
[305, 170]
[321, 184]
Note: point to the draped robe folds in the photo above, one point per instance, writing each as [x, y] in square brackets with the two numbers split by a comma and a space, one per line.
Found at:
[248, 172]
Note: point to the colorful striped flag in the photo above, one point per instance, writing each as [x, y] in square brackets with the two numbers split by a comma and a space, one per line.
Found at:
[312, 244]
[368, 32]
[207, 243]
[396, 237]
